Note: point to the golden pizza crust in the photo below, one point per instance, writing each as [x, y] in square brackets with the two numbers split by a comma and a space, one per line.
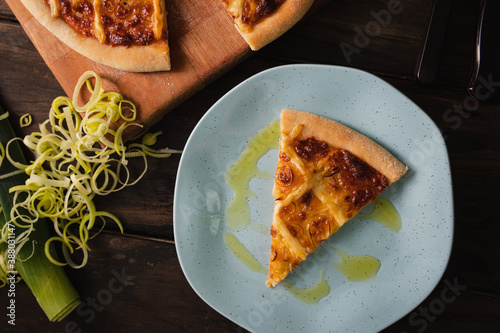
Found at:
[270, 28]
[151, 58]
[341, 136]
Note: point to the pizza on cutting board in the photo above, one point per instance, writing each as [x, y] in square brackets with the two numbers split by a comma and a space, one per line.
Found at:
[130, 35]
[325, 175]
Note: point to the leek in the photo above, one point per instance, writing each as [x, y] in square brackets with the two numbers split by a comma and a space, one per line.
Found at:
[79, 153]
[25, 120]
[48, 282]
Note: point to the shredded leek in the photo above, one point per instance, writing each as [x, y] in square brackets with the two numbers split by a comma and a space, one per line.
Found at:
[79, 153]
[2, 153]
[21, 248]
[25, 120]
[4, 115]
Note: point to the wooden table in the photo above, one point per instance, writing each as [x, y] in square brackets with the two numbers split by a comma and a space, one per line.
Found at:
[158, 298]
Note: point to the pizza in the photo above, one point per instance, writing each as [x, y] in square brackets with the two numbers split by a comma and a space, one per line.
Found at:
[326, 173]
[262, 21]
[130, 35]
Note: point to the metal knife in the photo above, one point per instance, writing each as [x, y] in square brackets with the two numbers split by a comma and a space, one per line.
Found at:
[485, 81]
[430, 58]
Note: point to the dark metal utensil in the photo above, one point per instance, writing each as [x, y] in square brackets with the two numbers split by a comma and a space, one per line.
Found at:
[485, 81]
[428, 64]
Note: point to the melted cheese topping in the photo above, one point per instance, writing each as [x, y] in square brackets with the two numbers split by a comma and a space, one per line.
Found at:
[246, 13]
[54, 8]
[235, 7]
[98, 27]
[158, 18]
[114, 22]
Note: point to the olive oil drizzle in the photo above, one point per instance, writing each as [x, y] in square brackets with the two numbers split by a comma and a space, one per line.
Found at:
[241, 252]
[240, 173]
[384, 212]
[311, 295]
[356, 267]
[238, 217]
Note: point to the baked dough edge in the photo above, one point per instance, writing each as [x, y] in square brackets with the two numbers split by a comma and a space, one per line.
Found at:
[341, 136]
[273, 26]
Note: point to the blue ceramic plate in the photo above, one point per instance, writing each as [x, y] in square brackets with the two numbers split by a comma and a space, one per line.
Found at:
[412, 260]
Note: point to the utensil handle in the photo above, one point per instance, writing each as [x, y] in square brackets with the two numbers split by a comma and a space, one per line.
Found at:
[485, 81]
[428, 64]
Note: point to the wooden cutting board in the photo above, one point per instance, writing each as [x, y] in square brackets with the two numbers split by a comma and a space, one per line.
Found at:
[203, 43]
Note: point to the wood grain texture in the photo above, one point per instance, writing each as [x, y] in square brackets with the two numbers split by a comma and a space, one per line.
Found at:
[143, 270]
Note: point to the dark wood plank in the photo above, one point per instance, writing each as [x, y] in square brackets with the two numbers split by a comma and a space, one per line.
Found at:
[365, 35]
[5, 12]
[27, 85]
[369, 35]
[450, 308]
[130, 285]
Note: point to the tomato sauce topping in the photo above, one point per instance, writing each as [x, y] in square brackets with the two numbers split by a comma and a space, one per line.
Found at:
[255, 10]
[124, 23]
[339, 168]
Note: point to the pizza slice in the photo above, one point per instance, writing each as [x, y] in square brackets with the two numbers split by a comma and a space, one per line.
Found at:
[130, 35]
[262, 21]
[325, 175]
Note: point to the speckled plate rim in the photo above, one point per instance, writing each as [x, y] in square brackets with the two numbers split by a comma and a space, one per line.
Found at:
[432, 137]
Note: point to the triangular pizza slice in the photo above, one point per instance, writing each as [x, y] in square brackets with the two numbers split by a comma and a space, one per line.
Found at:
[262, 21]
[326, 174]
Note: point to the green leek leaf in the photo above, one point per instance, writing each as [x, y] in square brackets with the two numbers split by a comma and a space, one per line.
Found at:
[48, 282]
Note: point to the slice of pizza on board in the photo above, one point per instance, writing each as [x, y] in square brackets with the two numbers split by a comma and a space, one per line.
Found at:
[127, 35]
[325, 175]
[262, 21]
